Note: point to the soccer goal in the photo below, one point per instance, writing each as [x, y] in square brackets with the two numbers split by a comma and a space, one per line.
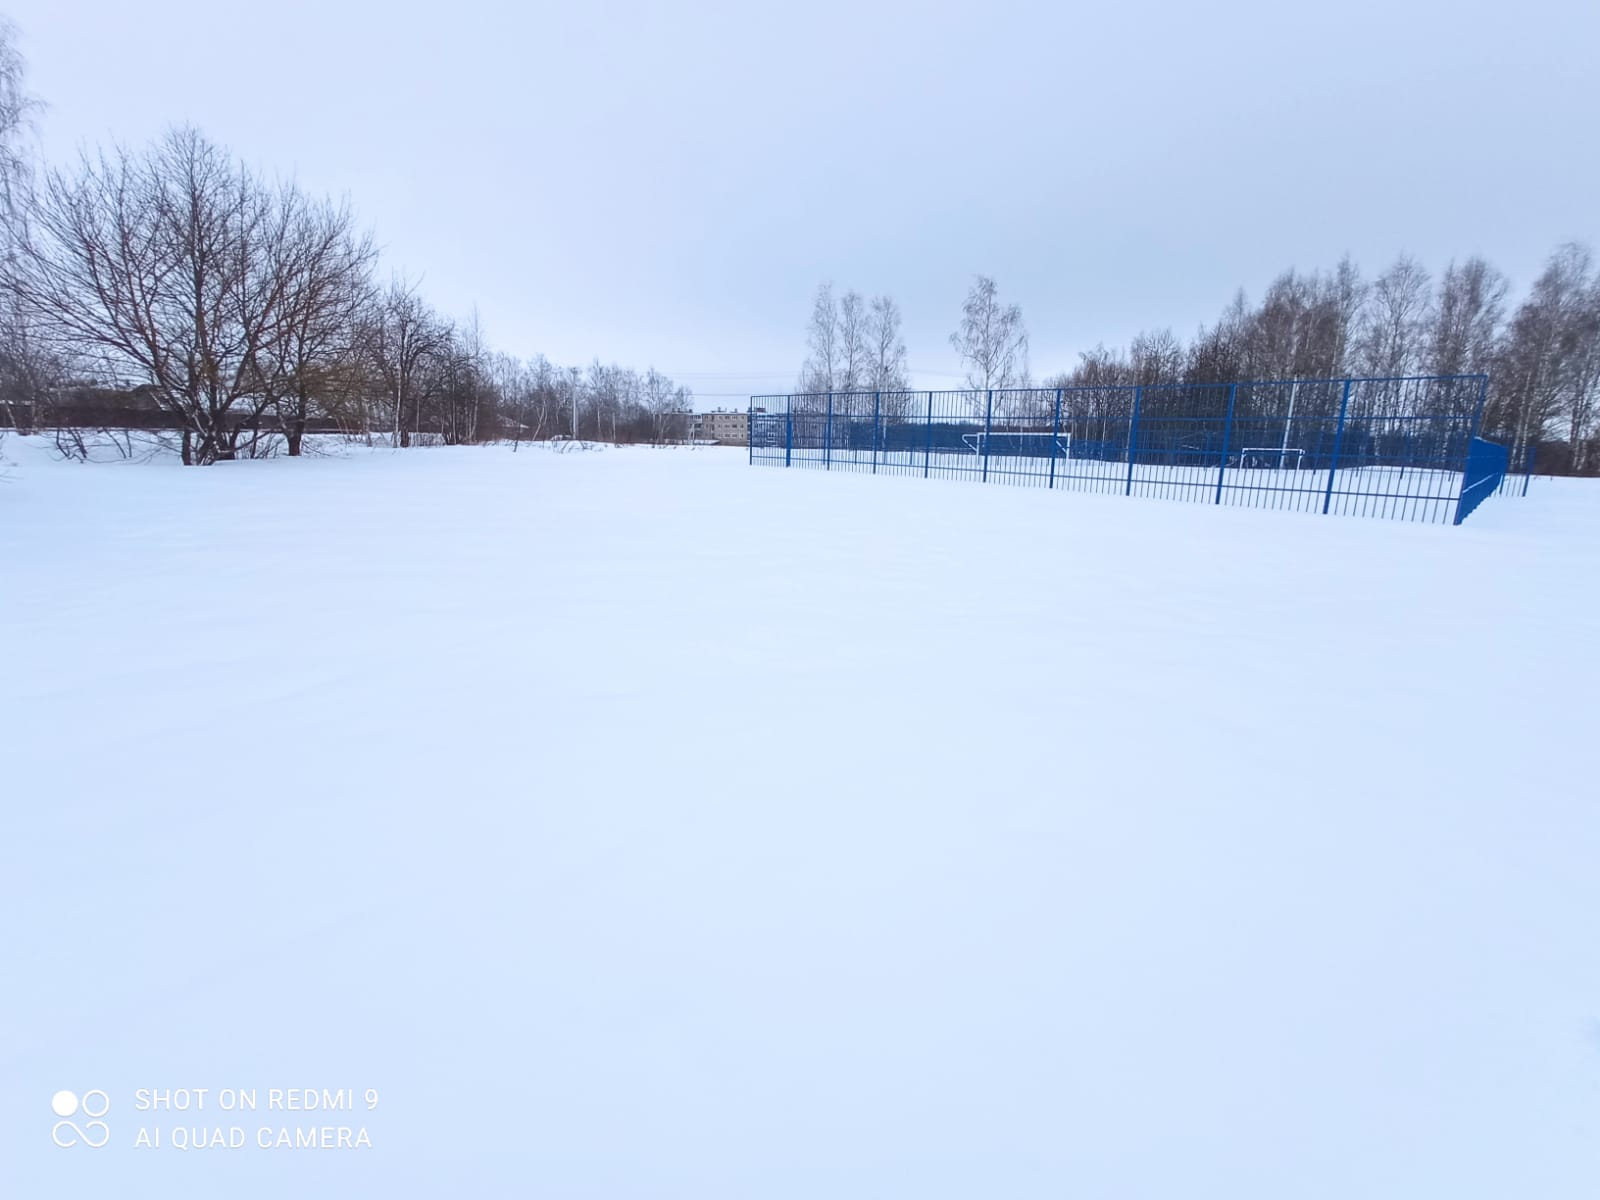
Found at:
[1273, 458]
[1020, 445]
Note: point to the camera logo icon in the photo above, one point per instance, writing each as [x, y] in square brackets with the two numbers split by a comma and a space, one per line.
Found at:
[94, 1132]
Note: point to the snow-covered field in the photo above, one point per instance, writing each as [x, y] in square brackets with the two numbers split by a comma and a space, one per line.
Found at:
[638, 824]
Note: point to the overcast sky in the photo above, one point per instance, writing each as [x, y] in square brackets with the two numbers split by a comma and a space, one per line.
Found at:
[667, 184]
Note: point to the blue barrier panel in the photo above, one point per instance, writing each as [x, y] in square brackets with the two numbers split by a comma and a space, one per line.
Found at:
[1486, 467]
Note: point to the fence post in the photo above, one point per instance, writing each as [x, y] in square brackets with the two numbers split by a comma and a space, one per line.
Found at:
[788, 431]
[988, 421]
[1527, 470]
[1227, 439]
[827, 439]
[875, 409]
[1338, 439]
[927, 449]
[1133, 436]
[1055, 439]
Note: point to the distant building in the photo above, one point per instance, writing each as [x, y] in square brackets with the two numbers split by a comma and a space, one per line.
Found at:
[724, 428]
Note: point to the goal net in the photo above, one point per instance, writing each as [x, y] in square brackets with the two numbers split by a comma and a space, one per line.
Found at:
[1017, 444]
[1271, 458]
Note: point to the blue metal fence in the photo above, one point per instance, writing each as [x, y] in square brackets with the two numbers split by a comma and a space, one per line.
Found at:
[1365, 447]
[1519, 474]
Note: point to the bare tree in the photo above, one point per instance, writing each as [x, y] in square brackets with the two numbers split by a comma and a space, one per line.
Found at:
[667, 406]
[992, 340]
[1392, 337]
[165, 269]
[611, 392]
[820, 372]
[29, 370]
[1217, 353]
[31, 373]
[310, 359]
[1155, 358]
[1274, 332]
[544, 397]
[465, 413]
[572, 392]
[509, 378]
[854, 353]
[1344, 293]
[1466, 318]
[1584, 389]
[1099, 367]
[1546, 369]
[16, 107]
[887, 347]
[403, 335]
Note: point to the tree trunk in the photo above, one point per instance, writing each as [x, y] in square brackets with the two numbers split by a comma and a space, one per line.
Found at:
[295, 430]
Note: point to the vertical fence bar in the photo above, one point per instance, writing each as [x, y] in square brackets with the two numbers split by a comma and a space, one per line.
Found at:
[927, 448]
[1133, 436]
[750, 435]
[788, 431]
[988, 421]
[1227, 439]
[1338, 438]
[1055, 439]
[875, 409]
[1477, 414]
[827, 438]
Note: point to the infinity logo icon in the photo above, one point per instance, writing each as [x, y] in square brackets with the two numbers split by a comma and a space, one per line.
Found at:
[94, 1132]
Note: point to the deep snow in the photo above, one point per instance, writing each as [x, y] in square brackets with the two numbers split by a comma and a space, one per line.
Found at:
[639, 824]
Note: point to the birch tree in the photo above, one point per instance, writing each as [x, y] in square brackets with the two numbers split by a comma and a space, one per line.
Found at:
[1393, 336]
[1466, 318]
[1545, 372]
[855, 357]
[992, 340]
[887, 347]
[26, 369]
[820, 372]
[666, 406]
[16, 108]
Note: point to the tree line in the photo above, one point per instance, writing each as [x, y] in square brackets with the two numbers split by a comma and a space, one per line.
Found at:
[1541, 354]
[173, 287]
